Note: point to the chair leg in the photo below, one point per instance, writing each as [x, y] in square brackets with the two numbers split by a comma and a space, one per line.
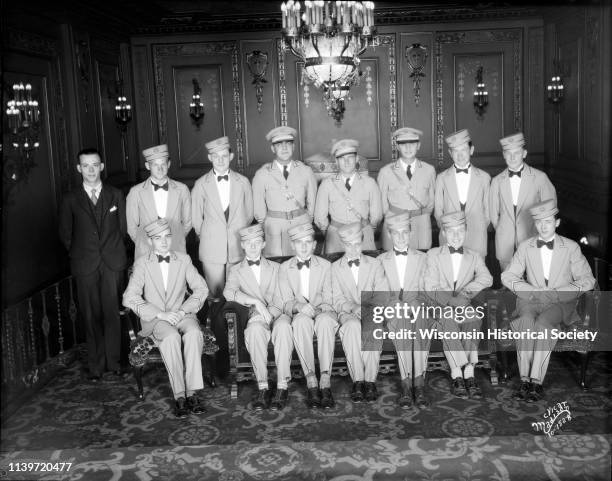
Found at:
[138, 375]
[504, 361]
[209, 370]
[494, 374]
[584, 364]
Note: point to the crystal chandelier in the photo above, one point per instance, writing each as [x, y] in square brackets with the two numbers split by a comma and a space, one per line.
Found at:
[329, 36]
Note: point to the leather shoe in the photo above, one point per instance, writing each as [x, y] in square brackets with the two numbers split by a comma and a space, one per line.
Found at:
[314, 397]
[371, 394]
[327, 400]
[210, 380]
[419, 397]
[535, 394]
[357, 392]
[261, 402]
[181, 410]
[522, 392]
[196, 405]
[280, 400]
[473, 389]
[405, 399]
[458, 388]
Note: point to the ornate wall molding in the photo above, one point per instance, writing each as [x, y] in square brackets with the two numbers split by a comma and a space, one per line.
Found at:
[237, 111]
[389, 41]
[282, 81]
[32, 43]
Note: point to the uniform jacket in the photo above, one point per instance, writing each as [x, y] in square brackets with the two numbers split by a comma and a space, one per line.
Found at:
[146, 296]
[141, 211]
[476, 208]
[241, 282]
[219, 239]
[510, 232]
[413, 274]
[395, 190]
[319, 285]
[88, 245]
[570, 273]
[364, 197]
[272, 192]
[438, 280]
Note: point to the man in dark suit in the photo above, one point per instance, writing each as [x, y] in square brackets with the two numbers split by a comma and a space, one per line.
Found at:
[92, 226]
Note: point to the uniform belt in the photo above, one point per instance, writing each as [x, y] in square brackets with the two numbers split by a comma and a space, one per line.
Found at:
[337, 224]
[292, 214]
[411, 212]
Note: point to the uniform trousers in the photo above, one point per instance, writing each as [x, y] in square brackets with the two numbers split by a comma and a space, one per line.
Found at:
[412, 354]
[258, 334]
[98, 295]
[184, 365]
[457, 351]
[362, 365]
[324, 325]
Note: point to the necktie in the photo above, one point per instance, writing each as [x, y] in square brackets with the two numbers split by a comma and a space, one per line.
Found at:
[157, 187]
[353, 262]
[400, 253]
[458, 250]
[550, 244]
[348, 185]
[163, 259]
[253, 263]
[462, 171]
[302, 264]
[285, 172]
[409, 172]
[511, 173]
[222, 177]
[94, 197]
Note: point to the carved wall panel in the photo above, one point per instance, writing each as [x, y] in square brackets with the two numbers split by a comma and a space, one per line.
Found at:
[534, 93]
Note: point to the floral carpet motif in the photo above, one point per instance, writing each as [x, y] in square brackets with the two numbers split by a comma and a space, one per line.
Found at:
[108, 434]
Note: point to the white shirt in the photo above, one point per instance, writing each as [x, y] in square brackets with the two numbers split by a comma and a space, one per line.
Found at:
[463, 183]
[456, 260]
[281, 166]
[546, 256]
[515, 185]
[351, 179]
[400, 265]
[223, 187]
[256, 269]
[355, 272]
[304, 280]
[405, 166]
[97, 188]
[161, 199]
[164, 267]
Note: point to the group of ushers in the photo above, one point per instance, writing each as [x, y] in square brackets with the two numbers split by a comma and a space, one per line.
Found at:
[239, 226]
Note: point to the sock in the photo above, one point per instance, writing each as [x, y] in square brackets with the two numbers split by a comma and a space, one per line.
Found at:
[419, 381]
[325, 381]
[281, 385]
[262, 385]
[311, 380]
[468, 371]
[455, 372]
[189, 393]
[536, 381]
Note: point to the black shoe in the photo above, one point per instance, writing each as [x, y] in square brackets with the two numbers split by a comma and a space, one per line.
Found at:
[261, 402]
[280, 400]
[357, 394]
[327, 400]
[473, 389]
[419, 397]
[195, 405]
[458, 388]
[181, 410]
[314, 397]
[371, 393]
[535, 394]
[405, 399]
[210, 380]
[522, 391]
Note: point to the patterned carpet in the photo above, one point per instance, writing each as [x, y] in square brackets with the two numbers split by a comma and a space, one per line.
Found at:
[107, 434]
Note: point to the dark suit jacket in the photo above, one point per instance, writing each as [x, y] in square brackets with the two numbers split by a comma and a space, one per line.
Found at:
[87, 245]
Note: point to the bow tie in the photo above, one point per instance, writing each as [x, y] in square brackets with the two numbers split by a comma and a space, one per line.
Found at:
[253, 263]
[458, 250]
[222, 177]
[353, 262]
[400, 253]
[550, 244]
[511, 173]
[464, 171]
[302, 264]
[163, 259]
[157, 187]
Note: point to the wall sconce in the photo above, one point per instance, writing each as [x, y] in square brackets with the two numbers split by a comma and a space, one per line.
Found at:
[481, 96]
[555, 88]
[196, 107]
[23, 117]
[334, 98]
[123, 110]
[416, 56]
